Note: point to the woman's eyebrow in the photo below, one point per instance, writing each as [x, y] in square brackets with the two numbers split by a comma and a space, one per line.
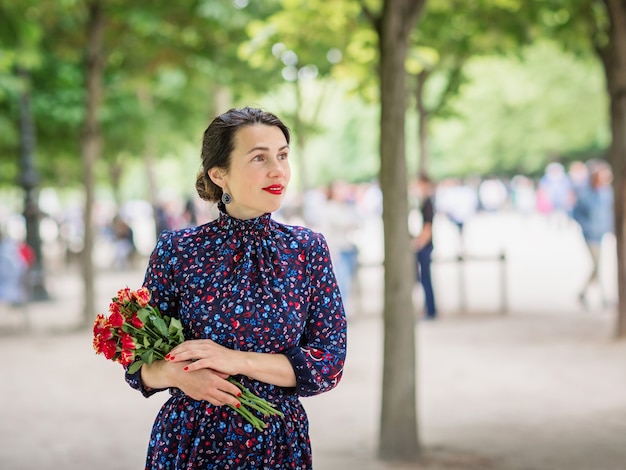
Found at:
[265, 149]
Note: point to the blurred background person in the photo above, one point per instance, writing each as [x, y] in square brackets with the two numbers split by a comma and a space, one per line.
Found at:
[523, 197]
[338, 222]
[579, 176]
[124, 243]
[556, 194]
[13, 269]
[492, 194]
[459, 202]
[593, 211]
[423, 244]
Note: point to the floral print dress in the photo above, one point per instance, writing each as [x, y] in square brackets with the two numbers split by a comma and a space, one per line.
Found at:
[249, 285]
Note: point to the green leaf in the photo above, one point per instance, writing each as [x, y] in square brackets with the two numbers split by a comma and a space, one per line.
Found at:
[175, 333]
[175, 326]
[143, 315]
[160, 326]
[148, 356]
[135, 366]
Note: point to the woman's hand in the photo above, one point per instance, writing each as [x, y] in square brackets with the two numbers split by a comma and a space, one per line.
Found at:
[202, 384]
[207, 354]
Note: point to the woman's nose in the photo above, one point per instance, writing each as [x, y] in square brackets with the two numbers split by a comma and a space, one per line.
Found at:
[277, 168]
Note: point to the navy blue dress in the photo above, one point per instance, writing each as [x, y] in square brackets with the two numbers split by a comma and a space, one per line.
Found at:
[249, 285]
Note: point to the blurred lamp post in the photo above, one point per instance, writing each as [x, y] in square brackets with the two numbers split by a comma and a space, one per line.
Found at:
[29, 180]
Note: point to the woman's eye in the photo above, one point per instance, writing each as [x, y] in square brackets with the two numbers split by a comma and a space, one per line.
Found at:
[258, 158]
[283, 156]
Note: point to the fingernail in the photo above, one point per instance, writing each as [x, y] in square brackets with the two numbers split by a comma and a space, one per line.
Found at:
[239, 393]
[238, 405]
[167, 356]
[186, 368]
[172, 358]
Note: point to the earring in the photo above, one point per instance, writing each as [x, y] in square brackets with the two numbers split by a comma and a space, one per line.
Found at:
[226, 198]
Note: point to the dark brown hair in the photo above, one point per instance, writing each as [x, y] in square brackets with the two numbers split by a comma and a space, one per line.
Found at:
[219, 141]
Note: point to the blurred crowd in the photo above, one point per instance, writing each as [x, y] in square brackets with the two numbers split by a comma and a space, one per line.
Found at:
[346, 213]
[579, 196]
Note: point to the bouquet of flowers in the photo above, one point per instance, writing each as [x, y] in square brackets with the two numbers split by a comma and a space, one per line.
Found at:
[136, 333]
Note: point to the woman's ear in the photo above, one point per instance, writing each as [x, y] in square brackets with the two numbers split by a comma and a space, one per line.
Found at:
[216, 176]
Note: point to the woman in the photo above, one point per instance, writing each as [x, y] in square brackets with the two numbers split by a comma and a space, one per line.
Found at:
[258, 301]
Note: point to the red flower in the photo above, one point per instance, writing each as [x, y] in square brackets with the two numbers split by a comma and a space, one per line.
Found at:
[141, 296]
[128, 343]
[126, 358]
[135, 321]
[116, 320]
[100, 324]
[114, 307]
[124, 295]
[109, 348]
[101, 332]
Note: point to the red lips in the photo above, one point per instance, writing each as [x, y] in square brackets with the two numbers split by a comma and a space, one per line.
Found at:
[274, 189]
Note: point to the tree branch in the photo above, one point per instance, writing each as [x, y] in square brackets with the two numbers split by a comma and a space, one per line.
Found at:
[370, 16]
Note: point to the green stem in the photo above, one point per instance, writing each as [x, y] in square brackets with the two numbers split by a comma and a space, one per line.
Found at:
[259, 403]
[254, 406]
[263, 406]
[247, 415]
[146, 330]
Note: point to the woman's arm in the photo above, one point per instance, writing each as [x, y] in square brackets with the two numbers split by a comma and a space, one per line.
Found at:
[274, 369]
[319, 359]
[159, 280]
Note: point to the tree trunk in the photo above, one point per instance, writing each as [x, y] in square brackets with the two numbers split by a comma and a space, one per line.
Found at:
[29, 180]
[614, 60]
[91, 146]
[422, 122]
[399, 438]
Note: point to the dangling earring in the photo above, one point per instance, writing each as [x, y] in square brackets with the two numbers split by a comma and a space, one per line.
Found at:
[226, 198]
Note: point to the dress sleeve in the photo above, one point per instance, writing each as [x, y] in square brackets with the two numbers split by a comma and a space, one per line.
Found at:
[318, 361]
[159, 279]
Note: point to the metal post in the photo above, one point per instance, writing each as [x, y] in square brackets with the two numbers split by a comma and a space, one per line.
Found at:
[461, 282]
[503, 284]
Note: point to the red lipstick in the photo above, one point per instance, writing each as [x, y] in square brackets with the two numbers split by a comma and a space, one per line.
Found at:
[274, 189]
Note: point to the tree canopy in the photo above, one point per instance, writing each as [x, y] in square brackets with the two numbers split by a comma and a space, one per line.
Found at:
[170, 67]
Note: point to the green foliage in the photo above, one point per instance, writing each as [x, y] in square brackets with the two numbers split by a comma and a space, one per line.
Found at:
[517, 114]
[169, 66]
[165, 61]
[348, 147]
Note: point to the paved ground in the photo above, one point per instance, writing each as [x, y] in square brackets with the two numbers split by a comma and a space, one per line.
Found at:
[535, 389]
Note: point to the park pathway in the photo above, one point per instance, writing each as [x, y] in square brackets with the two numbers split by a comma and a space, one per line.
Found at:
[538, 388]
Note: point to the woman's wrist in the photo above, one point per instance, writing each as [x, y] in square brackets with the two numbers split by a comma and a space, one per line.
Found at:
[155, 375]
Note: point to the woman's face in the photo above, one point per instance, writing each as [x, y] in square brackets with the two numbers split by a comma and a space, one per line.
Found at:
[259, 172]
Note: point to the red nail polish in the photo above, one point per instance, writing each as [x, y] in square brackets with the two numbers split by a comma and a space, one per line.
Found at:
[239, 393]
[172, 358]
[167, 356]
[186, 368]
[238, 405]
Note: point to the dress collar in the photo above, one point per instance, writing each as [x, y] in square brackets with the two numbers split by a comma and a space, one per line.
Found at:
[259, 225]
